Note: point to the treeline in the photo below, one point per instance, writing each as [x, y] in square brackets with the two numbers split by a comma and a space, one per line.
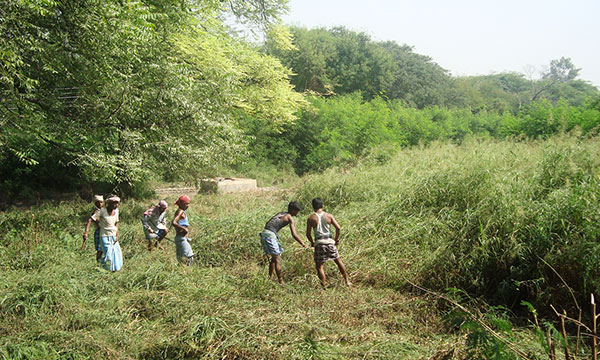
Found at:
[340, 130]
[338, 61]
[109, 95]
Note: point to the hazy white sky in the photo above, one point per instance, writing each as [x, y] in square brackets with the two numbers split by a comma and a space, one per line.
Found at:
[472, 37]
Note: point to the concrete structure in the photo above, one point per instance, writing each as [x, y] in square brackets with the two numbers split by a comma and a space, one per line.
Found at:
[227, 185]
[177, 191]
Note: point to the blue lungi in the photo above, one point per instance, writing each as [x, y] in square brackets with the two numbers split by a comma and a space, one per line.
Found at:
[270, 243]
[113, 258]
[183, 250]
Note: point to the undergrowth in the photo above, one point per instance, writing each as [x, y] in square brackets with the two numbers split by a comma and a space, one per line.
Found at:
[486, 217]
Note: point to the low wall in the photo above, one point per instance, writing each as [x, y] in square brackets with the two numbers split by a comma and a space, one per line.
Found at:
[227, 185]
[216, 185]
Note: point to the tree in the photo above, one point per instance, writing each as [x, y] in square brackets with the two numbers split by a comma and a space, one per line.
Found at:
[561, 71]
[118, 91]
[340, 61]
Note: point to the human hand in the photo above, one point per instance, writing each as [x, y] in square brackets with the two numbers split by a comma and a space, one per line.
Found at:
[151, 231]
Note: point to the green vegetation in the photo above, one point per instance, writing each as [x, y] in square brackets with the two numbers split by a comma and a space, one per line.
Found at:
[487, 184]
[485, 216]
[340, 61]
[115, 95]
[119, 92]
[340, 130]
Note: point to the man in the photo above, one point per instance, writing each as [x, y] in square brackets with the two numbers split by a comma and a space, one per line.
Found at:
[108, 221]
[98, 200]
[325, 246]
[269, 237]
[155, 224]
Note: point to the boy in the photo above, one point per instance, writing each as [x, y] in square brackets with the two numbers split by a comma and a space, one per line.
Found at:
[325, 246]
[269, 237]
[155, 224]
[98, 200]
[181, 222]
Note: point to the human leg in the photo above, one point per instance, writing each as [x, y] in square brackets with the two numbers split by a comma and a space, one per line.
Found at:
[276, 265]
[343, 271]
[271, 267]
[321, 273]
[149, 238]
[112, 259]
[183, 250]
[98, 245]
[161, 235]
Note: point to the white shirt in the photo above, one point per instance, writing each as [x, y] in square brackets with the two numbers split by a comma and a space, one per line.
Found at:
[107, 223]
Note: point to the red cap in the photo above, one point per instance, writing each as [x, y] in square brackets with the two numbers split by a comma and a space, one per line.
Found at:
[183, 199]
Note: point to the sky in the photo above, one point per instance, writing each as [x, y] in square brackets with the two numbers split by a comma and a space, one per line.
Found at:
[470, 37]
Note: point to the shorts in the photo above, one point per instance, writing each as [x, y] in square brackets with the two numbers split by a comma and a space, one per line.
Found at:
[325, 252]
[270, 243]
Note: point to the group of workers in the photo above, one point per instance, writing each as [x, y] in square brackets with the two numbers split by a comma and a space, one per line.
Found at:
[108, 250]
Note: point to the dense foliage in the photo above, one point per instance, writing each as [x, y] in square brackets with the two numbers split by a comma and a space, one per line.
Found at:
[340, 61]
[111, 95]
[342, 129]
[510, 92]
[506, 220]
[125, 91]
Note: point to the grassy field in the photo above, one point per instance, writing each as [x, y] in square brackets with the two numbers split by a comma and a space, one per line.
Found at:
[477, 217]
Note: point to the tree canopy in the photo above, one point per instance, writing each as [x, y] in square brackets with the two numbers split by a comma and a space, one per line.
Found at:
[119, 91]
[340, 61]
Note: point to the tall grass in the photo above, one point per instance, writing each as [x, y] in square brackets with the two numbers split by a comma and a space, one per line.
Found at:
[480, 216]
[490, 217]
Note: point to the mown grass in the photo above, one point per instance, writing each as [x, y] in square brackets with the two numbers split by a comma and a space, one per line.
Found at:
[479, 216]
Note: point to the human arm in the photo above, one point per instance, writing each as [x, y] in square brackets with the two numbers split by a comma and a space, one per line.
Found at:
[85, 232]
[309, 226]
[146, 224]
[293, 230]
[117, 225]
[337, 229]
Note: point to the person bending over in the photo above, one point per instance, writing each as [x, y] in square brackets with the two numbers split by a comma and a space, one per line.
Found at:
[269, 238]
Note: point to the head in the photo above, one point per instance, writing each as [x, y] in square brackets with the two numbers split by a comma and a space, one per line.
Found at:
[162, 206]
[183, 202]
[98, 200]
[294, 208]
[317, 204]
[112, 202]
